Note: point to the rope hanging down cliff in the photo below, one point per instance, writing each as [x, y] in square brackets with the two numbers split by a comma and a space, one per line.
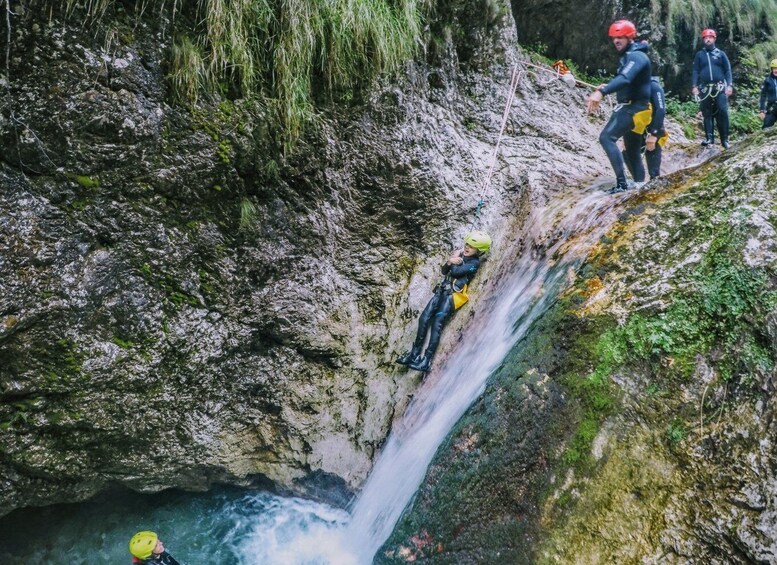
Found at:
[561, 71]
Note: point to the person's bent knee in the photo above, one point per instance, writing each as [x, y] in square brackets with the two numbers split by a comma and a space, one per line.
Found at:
[606, 139]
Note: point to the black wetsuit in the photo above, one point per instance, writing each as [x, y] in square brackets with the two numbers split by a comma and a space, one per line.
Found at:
[768, 101]
[440, 306]
[711, 75]
[656, 128]
[632, 88]
[163, 558]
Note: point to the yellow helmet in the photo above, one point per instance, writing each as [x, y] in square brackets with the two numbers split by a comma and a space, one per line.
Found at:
[480, 240]
[773, 64]
[142, 544]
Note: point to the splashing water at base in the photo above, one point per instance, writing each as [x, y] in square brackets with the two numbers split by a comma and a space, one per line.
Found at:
[227, 527]
[299, 532]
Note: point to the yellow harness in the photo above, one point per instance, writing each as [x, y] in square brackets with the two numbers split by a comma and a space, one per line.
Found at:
[460, 297]
[642, 120]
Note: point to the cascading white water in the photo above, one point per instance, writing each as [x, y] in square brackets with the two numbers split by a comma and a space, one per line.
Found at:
[558, 237]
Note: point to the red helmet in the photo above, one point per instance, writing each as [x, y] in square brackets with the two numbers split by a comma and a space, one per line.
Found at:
[623, 28]
[709, 33]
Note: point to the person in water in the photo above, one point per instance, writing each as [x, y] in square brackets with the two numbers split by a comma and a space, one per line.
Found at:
[632, 88]
[457, 272]
[654, 138]
[147, 549]
[713, 83]
[767, 105]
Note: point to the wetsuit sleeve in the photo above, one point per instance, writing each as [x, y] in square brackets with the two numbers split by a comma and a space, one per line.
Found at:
[634, 63]
[658, 104]
[727, 70]
[615, 85]
[696, 69]
[466, 269]
[764, 90]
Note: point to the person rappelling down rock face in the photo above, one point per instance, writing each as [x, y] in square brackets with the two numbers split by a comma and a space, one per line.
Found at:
[632, 88]
[449, 295]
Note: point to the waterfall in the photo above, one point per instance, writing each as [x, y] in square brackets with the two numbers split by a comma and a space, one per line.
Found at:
[557, 239]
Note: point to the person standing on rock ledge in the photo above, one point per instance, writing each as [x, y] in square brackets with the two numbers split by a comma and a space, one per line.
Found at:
[767, 105]
[632, 87]
[147, 549]
[654, 138]
[448, 296]
[713, 84]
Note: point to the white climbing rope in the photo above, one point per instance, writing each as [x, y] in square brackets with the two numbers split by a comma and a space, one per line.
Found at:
[517, 73]
[514, 80]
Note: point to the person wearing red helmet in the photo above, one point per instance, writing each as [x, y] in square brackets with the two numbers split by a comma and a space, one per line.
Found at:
[712, 81]
[631, 86]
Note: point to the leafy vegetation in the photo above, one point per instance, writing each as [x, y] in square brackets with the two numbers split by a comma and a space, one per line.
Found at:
[743, 19]
[744, 119]
[683, 113]
[725, 305]
[742, 115]
[289, 52]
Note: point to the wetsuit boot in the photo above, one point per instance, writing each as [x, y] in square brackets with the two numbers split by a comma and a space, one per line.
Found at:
[620, 186]
[411, 356]
[422, 363]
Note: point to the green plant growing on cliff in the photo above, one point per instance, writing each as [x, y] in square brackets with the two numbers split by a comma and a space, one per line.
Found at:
[756, 59]
[724, 309]
[749, 18]
[188, 73]
[123, 343]
[272, 170]
[93, 8]
[675, 432]
[281, 49]
[247, 214]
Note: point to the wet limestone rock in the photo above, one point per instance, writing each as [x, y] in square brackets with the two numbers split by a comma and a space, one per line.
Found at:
[182, 304]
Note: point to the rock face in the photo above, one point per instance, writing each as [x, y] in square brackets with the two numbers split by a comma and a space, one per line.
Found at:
[180, 304]
[635, 423]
